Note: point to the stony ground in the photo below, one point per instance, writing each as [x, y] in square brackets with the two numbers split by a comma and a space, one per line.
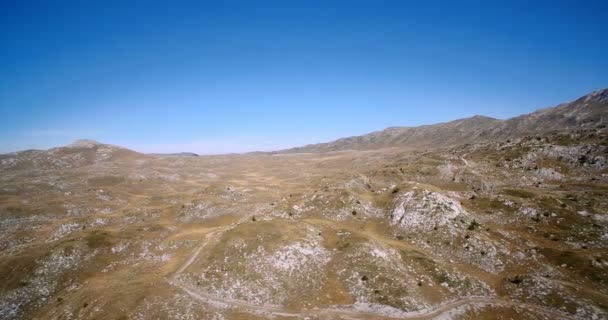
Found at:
[514, 229]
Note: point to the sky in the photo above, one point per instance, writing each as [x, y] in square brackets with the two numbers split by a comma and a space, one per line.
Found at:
[236, 76]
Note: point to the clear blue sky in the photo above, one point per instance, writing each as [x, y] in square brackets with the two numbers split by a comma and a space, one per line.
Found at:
[215, 77]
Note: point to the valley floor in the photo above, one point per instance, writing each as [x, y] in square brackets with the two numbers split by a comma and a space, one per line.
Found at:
[499, 230]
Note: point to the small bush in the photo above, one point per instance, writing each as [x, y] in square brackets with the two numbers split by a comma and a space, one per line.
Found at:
[473, 225]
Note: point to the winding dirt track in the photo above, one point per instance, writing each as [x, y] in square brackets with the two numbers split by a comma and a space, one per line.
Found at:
[444, 308]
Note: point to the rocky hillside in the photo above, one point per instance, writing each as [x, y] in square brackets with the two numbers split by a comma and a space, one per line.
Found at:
[511, 229]
[589, 111]
[78, 154]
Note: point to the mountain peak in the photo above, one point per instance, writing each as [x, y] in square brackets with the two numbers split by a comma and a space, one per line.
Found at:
[598, 96]
[482, 117]
[84, 143]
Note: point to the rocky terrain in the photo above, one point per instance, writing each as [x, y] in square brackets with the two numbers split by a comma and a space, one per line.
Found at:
[503, 220]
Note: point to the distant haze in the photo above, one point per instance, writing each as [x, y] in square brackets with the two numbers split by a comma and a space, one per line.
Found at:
[236, 77]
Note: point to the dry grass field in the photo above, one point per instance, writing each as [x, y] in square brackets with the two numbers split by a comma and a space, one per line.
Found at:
[513, 229]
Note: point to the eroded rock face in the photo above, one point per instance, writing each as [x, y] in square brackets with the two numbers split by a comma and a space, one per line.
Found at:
[424, 210]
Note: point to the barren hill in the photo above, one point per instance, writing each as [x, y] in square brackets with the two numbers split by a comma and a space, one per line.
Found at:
[588, 111]
[78, 154]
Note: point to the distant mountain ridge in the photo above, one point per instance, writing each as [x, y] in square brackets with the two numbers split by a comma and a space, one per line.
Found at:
[588, 111]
